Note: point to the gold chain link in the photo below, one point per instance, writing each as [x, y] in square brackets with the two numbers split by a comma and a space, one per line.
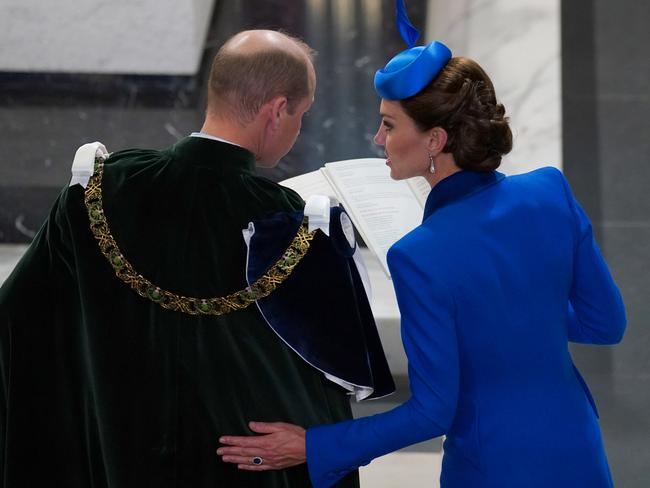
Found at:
[241, 299]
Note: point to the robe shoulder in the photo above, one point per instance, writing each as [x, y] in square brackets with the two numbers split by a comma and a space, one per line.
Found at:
[129, 163]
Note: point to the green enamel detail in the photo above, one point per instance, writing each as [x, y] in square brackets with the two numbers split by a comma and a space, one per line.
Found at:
[117, 261]
[154, 294]
[205, 307]
[95, 213]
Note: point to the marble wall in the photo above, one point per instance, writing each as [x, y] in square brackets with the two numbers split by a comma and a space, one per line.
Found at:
[96, 36]
[518, 44]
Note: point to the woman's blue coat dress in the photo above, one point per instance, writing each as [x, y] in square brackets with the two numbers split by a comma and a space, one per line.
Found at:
[502, 274]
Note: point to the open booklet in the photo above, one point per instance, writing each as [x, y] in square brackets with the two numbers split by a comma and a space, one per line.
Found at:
[383, 210]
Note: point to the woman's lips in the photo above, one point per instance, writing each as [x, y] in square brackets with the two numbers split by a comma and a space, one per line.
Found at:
[387, 161]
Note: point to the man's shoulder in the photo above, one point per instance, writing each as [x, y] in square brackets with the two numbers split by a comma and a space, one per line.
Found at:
[139, 167]
[117, 166]
[135, 156]
[285, 198]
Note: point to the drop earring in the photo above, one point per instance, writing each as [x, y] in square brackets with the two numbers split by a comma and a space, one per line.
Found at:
[432, 167]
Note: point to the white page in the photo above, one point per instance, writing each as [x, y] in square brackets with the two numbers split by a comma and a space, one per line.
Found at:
[421, 188]
[383, 209]
[309, 184]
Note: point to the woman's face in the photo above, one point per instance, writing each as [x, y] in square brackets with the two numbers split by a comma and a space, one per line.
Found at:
[406, 147]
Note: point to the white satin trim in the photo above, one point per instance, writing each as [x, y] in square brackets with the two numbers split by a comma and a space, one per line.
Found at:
[83, 165]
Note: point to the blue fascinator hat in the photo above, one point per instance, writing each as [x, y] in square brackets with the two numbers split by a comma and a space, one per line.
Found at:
[412, 69]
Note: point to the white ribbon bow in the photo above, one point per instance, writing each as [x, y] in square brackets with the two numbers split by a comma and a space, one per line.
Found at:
[83, 165]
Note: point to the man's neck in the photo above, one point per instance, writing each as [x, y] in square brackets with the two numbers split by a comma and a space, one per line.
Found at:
[214, 138]
[230, 131]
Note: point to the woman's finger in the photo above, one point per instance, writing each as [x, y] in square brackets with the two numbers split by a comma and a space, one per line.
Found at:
[248, 463]
[243, 441]
[271, 427]
[242, 451]
[252, 467]
[238, 459]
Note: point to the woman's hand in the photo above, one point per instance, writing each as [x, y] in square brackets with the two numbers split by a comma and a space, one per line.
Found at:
[282, 446]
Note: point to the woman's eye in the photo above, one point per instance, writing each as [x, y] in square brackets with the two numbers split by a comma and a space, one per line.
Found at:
[387, 126]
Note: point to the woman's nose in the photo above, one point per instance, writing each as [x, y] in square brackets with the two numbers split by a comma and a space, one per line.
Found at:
[380, 137]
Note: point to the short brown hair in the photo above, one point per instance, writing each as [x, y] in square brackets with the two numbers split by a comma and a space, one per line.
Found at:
[461, 100]
[243, 82]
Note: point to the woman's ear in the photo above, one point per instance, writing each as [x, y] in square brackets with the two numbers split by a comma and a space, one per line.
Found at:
[437, 140]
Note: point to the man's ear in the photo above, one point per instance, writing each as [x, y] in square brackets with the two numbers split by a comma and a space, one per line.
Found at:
[277, 108]
[437, 140]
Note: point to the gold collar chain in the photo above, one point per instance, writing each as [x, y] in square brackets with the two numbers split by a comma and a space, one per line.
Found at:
[239, 300]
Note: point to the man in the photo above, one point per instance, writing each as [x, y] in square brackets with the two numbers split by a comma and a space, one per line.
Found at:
[122, 357]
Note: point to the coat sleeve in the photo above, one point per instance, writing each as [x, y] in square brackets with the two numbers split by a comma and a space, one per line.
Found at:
[428, 333]
[596, 310]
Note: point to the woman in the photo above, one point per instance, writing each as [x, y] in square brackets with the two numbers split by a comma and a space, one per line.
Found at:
[500, 276]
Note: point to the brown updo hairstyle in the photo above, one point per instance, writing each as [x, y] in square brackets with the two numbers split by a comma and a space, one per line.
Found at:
[461, 100]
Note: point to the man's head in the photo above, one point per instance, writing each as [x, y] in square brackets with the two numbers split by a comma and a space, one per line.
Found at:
[263, 81]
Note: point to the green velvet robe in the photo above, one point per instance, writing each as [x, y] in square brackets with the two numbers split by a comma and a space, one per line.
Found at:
[103, 388]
